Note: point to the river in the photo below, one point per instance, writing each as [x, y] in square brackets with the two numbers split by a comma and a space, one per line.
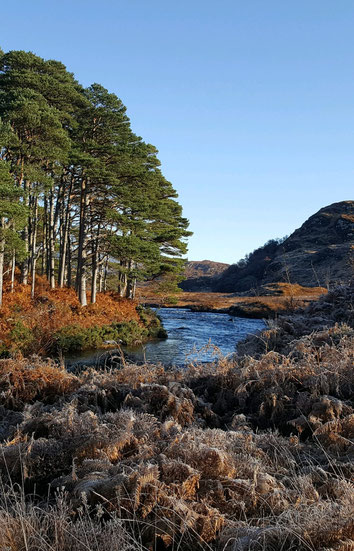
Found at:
[192, 336]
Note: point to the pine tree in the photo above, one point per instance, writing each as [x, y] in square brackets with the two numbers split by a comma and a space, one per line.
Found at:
[12, 218]
[93, 192]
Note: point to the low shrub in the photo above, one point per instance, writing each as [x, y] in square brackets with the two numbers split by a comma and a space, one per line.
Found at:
[21, 337]
[75, 338]
[152, 322]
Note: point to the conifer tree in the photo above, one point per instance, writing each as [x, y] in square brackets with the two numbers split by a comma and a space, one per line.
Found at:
[92, 192]
[12, 218]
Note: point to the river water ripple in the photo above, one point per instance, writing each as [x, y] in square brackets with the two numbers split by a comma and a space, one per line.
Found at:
[188, 335]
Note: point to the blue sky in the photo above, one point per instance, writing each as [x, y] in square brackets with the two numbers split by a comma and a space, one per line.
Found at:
[250, 103]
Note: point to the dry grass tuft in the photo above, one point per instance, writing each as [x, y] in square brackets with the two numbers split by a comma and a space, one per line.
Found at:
[23, 381]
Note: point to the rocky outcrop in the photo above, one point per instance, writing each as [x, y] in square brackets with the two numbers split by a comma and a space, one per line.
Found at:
[319, 253]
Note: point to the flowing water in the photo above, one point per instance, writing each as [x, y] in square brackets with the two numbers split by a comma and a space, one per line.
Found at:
[192, 336]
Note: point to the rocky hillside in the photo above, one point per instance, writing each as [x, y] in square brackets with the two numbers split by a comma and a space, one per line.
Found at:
[319, 253]
[201, 275]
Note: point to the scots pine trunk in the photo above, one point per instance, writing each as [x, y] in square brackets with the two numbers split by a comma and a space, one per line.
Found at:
[13, 266]
[100, 276]
[47, 248]
[2, 254]
[34, 245]
[105, 275]
[65, 239]
[133, 292]
[95, 267]
[130, 282]
[95, 263]
[131, 288]
[44, 249]
[51, 242]
[69, 264]
[82, 289]
[25, 237]
[94, 279]
[82, 252]
[30, 234]
[122, 280]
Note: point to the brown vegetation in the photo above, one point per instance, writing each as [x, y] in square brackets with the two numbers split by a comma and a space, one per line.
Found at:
[273, 299]
[253, 454]
[51, 310]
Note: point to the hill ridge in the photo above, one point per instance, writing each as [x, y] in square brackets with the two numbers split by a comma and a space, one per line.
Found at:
[320, 253]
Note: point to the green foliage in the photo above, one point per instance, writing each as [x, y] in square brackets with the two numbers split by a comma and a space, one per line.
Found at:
[168, 285]
[171, 300]
[12, 211]
[21, 337]
[73, 337]
[72, 161]
[152, 322]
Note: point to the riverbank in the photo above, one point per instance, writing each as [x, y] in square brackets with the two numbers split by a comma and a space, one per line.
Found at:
[272, 300]
[254, 453]
[54, 322]
[192, 337]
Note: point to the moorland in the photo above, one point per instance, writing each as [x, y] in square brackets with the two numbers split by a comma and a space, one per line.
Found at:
[246, 454]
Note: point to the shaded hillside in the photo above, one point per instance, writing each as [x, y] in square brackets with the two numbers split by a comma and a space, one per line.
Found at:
[201, 275]
[319, 253]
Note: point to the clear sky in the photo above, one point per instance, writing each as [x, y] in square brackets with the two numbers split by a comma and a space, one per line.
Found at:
[250, 102]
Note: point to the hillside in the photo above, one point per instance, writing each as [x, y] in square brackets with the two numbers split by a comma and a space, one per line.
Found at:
[319, 253]
[201, 275]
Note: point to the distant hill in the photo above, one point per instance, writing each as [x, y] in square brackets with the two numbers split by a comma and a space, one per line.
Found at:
[319, 253]
[201, 275]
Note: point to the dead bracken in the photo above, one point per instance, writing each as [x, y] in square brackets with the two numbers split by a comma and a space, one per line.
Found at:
[250, 454]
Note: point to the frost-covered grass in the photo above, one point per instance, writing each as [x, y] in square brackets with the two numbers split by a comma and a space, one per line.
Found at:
[254, 454]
